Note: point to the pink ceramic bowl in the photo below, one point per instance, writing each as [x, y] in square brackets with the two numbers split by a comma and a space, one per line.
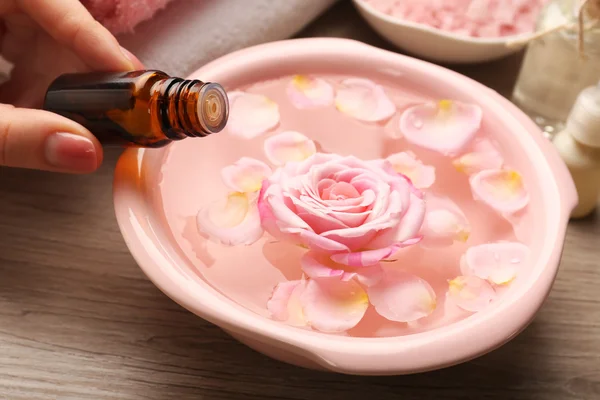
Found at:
[143, 224]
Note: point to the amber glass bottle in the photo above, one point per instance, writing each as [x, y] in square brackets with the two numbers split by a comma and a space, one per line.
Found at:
[139, 108]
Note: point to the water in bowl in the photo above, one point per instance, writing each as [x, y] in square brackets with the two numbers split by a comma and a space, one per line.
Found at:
[248, 274]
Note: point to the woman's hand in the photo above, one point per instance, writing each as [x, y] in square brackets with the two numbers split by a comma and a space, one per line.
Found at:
[43, 39]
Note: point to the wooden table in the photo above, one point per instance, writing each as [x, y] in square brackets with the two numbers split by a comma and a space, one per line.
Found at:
[79, 320]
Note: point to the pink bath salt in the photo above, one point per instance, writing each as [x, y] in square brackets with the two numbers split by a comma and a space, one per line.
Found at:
[474, 18]
[122, 16]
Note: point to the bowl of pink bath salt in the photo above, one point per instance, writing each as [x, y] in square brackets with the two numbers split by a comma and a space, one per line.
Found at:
[455, 31]
[362, 212]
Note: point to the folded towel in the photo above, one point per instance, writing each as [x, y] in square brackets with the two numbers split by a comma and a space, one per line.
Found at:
[187, 34]
[120, 16]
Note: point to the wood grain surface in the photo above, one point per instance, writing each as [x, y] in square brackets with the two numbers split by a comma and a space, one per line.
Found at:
[79, 320]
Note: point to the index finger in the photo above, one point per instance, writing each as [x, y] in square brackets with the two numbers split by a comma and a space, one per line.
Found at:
[70, 24]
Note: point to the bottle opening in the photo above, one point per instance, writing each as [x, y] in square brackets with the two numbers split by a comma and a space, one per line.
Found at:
[213, 107]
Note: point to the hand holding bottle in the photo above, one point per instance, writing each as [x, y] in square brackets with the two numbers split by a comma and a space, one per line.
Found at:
[44, 39]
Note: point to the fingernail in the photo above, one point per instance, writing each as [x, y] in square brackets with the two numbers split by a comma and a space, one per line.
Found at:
[132, 59]
[71, 152]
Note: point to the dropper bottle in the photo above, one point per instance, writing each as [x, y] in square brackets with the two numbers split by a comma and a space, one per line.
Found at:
[145, 108]
[579, 147]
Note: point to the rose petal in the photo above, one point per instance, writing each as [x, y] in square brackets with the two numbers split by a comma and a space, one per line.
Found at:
[284, 216]
[444, 223]
[354, 238]
[407, 229]
[402, 297]
[502, 190]
[246, 175]
[370, 257]
[412, 220]
[364, 100]
[284, 304]
[446, 127]
[319, 243]
[318, 159]
[484, 156]
[251, 114]
[363, 258]
[340, 190]
[387, 202]
[308, 92]
[406, 163]
[288, 146]
[268, 220]
[333, 306]
[470, 293]
[497, 262]
[315, 217]
[233, 221]
[317, 266]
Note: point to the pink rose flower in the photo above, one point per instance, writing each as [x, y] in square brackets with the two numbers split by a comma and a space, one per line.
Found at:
[356, 212]
[350, 214]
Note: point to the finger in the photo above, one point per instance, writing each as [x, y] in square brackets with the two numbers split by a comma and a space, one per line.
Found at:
[21, 32]
[42, 140]
[137, 64]
[70, 24]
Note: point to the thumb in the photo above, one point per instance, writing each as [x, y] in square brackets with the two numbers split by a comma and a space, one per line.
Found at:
[42, 140]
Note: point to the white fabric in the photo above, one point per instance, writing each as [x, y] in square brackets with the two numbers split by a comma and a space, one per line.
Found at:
[190, 33]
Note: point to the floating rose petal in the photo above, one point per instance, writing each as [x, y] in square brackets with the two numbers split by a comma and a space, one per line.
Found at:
[402, 297]
[320, 267]
[246, 175]
[251, 114]
[288, 146]
[484, 156]
[406, 163]
[446, 127]
[364, 100]
[471, 293]
[444, 223]
[497, 262]
[284, 303]
[367, 258]
[333, 306]
[503, 190]
[234, 221]
[308, 92]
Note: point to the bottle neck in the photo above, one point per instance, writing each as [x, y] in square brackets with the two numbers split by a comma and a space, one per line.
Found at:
[178, 104]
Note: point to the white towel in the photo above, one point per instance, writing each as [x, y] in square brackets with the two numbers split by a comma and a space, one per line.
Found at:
[188, 33]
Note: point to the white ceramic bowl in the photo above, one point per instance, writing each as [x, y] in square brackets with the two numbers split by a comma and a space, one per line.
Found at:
[434, 44]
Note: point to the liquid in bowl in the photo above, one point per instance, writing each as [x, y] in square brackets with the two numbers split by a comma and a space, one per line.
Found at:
[248, 274]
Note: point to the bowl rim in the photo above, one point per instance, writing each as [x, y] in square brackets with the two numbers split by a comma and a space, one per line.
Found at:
[366, 356]
[504, 40]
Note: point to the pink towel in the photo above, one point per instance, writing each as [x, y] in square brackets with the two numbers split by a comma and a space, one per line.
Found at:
[122, 16]
[476, 18]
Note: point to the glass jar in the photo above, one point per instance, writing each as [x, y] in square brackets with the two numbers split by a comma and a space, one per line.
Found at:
[553, 72]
